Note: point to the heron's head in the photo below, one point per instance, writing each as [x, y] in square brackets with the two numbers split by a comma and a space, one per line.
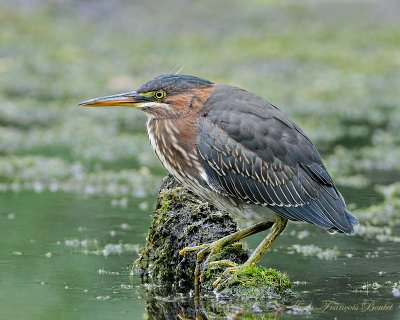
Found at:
[166, 96]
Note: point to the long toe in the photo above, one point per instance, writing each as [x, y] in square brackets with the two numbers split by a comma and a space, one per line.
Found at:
[226, 279]
[193, 249]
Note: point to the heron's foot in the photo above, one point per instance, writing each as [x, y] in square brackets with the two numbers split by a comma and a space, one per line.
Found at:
[227, 278]
[215, 267]
[203, 250]
[211, 249]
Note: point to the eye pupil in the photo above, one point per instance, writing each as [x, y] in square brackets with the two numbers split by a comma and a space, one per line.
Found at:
[160, 94]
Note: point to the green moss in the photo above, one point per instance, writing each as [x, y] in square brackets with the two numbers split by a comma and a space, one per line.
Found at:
[251, 283]
[256, 275]
[248, 282]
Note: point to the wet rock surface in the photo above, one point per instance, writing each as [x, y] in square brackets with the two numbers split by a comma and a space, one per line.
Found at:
[180, 220]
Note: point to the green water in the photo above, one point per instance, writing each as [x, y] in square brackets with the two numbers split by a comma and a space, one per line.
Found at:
[44, 277]
[46, 274]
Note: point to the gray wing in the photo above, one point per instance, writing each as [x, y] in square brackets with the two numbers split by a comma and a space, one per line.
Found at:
[253, 152]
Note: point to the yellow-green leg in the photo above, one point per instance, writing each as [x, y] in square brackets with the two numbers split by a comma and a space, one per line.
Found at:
[279, 226]
[216, 246]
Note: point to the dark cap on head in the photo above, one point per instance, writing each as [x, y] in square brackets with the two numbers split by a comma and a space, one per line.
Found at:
[174, 83]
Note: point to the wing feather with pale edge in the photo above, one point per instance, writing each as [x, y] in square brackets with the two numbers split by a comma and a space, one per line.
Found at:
[251, 151]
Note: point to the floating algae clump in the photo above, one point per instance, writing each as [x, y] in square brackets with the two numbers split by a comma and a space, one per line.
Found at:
[382, 221]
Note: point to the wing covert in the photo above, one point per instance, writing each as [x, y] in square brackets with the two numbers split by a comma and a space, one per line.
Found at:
[256, 154]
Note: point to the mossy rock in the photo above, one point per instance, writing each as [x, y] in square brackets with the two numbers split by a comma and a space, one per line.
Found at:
[180, 220]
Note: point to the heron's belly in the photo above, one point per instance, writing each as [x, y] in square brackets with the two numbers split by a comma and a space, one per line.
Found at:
[225, 203]
[238, 207]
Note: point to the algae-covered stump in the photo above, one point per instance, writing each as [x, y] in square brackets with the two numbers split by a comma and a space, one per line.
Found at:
[180, 220]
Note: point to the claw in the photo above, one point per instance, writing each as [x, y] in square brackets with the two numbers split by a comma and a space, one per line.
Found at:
[216, 282]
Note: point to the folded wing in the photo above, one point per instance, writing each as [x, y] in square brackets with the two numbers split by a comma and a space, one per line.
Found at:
[259, 156]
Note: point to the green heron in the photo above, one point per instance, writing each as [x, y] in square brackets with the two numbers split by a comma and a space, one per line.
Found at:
[240, 153]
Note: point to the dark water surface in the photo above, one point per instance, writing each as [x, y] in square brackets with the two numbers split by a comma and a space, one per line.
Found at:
[57, 261]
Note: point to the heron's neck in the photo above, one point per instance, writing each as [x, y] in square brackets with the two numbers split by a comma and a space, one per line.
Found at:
[173, 135]
[173, 141]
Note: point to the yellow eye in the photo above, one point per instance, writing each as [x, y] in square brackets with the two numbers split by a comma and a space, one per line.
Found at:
[159, 94]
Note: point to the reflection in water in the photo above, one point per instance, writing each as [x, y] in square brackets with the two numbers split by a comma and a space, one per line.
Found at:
[161, 304]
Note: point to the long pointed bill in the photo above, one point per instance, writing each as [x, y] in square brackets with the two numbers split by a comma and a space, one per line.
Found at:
[130, 99]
